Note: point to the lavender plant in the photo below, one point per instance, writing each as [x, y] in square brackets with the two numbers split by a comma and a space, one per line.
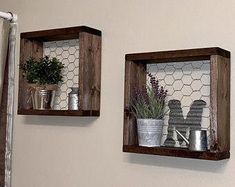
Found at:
[149, 101]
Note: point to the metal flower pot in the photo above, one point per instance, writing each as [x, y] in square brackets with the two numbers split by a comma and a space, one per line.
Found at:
[149, 132]
[43, 99]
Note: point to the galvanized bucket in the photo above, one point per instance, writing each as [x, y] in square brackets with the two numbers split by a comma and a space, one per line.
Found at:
[149, 132]
[43, 99]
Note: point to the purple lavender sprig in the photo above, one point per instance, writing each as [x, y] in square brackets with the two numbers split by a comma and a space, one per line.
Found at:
[159, 92]
[149, 101]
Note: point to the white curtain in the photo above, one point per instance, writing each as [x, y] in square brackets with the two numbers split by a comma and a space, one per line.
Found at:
[4, 33]
[7, 52]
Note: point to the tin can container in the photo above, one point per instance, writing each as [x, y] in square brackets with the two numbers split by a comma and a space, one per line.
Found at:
[149, 132]
[73, 98]
[43, 99]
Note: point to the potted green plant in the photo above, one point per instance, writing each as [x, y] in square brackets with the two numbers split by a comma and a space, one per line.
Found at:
[43, 76]
[148, 106]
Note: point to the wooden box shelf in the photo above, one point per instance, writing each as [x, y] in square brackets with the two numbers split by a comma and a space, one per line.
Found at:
[31, 45]
[219, 110]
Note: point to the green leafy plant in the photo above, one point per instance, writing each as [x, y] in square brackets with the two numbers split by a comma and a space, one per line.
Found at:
[44, 71]
[149, 101]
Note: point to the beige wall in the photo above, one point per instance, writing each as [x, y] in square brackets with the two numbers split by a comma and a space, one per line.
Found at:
[87, 152]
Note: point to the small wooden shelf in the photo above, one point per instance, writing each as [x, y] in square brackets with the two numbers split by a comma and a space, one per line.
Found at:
[59, 112]
[31, 45]
[219, 114]
[176, 152]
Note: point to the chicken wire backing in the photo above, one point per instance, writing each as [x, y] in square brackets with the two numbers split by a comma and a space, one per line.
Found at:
[185, 81]
[67, 51]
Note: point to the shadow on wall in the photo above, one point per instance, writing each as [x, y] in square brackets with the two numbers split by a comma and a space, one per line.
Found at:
[60, 121]
[179, 163]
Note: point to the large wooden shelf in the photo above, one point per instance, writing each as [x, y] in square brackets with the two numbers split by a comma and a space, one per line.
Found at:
[31, 45]
[135, 76]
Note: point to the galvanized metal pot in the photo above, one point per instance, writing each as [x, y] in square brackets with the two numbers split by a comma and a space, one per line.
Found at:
[42, 96]
[149, 132]
[43, 99]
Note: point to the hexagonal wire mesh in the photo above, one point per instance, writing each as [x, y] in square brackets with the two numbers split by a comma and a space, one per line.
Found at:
[67, 51]
[185, 81]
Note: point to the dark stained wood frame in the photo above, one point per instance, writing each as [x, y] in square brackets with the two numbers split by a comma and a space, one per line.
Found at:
[31, 45]
[135, 75]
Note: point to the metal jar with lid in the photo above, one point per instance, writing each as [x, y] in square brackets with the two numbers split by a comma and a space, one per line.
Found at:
[73, 98]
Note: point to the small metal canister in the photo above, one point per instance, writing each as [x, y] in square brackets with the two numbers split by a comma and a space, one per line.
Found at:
[43, 99]
[198, 140]
[73, 98]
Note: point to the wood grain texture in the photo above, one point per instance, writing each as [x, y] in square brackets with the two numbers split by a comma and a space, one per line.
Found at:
[213, 104]
[178, 55]
[28, 48]
[90, 71]
[220, 103]
[60, 112]
[59, 34]
[176, 152]
[135, 76]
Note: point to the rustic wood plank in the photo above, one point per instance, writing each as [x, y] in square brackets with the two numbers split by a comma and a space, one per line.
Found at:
[213, 103]
[176, 152]
[178, 55]
[135, 76]
[220, 103]
[59, 34]
[90, 71]
[28, 48]
[130, 130]
[59, 112]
